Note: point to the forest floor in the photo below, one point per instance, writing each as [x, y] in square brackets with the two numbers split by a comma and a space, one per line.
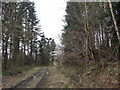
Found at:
[93, 77]
[40, 77]
[8, 81]
[55, 77]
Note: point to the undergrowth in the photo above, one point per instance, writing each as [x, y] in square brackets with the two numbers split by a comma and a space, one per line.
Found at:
[94, 76]
[16, 70]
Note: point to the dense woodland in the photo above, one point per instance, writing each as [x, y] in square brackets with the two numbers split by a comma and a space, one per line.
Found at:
[23, 42]
[89, 38]
[89, 34]
[90, 41]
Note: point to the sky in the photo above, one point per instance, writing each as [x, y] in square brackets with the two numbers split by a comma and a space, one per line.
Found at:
[51, 13]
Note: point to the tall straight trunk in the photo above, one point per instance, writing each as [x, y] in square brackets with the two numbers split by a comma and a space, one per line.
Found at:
[107, 39]
[6, 54]
[86, 32]
[10, 49]
[100, 42]
[24, 53]
[115, 23]
[16, 42]
[31, 51]
[3, 48]
[36, 58]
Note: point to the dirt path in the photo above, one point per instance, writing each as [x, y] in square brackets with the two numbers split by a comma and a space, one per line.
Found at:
[33, 80]
[46, 77]
[55, 80]
[8, 81]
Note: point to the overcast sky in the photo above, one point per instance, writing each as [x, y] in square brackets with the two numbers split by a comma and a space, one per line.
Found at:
[51, 13]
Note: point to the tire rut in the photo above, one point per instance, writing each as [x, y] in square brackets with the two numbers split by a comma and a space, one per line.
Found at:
[41, 83]
[37, 76]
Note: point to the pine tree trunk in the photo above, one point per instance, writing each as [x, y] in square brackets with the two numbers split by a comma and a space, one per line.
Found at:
[15, 49]
[6, 54]
[115, 23]
[31, 51]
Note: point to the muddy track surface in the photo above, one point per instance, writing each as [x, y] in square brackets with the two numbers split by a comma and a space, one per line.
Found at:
[54, 79]
[43, 79]
[46, 77]
[34, 80]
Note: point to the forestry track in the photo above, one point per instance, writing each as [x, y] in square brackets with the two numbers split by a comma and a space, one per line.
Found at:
[34, 80]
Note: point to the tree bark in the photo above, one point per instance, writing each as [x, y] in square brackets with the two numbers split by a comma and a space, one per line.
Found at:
[115, 23]
[6, 54]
